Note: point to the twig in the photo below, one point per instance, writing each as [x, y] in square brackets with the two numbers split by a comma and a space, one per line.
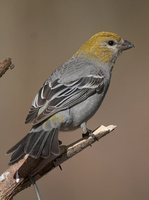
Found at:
[10, 185]
[36, 188]
[5, 65]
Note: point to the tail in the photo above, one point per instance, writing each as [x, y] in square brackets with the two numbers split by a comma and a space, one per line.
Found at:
[37, 143]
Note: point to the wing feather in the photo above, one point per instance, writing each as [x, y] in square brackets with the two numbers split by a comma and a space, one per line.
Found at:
[56, 96]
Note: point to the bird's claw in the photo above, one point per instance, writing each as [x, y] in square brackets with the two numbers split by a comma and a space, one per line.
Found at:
[94, 137]
[87, 134]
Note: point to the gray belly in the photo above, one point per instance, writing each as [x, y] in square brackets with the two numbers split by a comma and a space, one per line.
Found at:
[82, 112]
[85, 110]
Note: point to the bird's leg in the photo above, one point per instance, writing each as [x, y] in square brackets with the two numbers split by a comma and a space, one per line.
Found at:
[86, 132]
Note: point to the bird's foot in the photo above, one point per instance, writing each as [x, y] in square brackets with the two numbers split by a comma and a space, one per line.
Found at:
[87, 133]
[94, 137]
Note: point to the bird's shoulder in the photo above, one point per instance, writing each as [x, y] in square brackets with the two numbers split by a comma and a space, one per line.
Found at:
[75, 68]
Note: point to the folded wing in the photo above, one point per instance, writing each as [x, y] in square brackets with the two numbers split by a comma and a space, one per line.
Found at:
[57, 96]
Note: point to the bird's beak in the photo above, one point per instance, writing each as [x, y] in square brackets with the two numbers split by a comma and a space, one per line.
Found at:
[126, 45]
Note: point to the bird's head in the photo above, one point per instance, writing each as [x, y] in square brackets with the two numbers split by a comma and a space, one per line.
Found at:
[105, 46]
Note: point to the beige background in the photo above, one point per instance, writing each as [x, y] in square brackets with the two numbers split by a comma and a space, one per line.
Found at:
[40, 35]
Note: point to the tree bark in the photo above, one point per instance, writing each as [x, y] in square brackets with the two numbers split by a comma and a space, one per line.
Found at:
[18, 176]
[5, 65]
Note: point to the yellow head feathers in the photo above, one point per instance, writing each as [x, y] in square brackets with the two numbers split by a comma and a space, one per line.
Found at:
[97, 46]
[104, 35]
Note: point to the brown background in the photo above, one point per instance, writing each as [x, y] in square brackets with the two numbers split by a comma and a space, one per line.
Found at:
[40, 35]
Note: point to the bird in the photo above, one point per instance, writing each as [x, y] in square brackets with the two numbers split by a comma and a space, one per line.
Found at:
[70, 96]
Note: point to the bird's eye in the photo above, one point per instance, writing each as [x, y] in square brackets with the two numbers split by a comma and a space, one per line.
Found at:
[111, 42]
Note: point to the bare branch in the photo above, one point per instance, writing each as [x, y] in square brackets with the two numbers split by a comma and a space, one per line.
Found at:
[17, 176]
[5, 65]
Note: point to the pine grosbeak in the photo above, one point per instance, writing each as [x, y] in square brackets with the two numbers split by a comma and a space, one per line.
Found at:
[70, 96]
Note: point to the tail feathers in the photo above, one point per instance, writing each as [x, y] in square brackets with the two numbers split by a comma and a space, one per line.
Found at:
[51, 144]
[18, 153]
[36, 144]
[18, 144]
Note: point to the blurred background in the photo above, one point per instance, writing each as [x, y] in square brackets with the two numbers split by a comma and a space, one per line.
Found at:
[40, 35]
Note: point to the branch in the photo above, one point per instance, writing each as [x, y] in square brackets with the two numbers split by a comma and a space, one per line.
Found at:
[17, 177]
[5, 65]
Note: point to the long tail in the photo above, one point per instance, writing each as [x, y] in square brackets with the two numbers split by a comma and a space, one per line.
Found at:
[37, 143]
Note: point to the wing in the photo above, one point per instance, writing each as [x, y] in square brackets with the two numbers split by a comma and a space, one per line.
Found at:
[57, 96]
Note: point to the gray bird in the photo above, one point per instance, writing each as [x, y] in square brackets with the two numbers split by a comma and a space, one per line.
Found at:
[71, 96]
